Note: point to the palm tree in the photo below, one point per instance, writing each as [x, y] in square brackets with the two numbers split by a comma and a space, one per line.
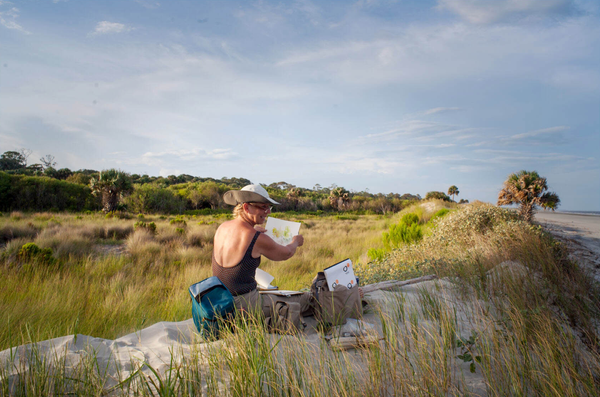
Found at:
[112, 185]
[339, 198]
[528, 189]
[453, 190]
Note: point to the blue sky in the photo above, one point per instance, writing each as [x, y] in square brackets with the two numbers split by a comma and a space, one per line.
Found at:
[390, 96]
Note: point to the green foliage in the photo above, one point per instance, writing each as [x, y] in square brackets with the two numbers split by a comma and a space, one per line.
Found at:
[178, 221]
[409, 219]
[529, 190]
[12, 160]
[440, 213]
[31, 251]
[152, 198]
[437, 195]
[32, 193]
[466, 347]
[402, 233]
[111, 185]
[453, 190]
[150, 226]
[376, 254]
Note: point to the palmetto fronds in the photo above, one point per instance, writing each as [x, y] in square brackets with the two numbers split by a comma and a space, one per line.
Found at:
[528, 189]
[111, 184]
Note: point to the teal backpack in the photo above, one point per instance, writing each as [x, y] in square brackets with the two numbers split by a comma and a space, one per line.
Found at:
[213, 307]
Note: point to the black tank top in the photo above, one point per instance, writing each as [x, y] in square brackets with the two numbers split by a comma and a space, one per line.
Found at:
[239, 278]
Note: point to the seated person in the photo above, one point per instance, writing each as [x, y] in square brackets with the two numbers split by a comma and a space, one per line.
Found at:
[240, 243]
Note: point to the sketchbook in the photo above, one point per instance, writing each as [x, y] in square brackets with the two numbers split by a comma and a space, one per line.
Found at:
[282, 231]
[341, 273]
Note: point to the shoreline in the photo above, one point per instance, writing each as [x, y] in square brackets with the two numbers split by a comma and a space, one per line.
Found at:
[579, 232]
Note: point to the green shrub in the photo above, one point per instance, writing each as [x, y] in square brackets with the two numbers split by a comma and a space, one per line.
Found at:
[43, 194]
[440, 213]
[31, 251]
[178, 221]
[151, 226]
[402, 233]
[153, 198]
[376, 254]
[409, 219]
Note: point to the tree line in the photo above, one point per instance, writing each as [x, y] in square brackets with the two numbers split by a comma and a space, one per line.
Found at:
[42, 186]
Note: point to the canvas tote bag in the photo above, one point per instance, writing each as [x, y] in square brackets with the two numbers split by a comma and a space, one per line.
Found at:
[334, 307]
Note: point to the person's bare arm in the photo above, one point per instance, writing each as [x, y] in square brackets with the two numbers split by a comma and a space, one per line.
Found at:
[276, 252]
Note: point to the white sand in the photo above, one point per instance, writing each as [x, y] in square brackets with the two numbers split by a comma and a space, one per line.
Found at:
[581, 233]
[160, 343]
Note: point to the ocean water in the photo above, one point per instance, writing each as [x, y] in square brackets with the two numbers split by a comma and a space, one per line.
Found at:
[597, 213]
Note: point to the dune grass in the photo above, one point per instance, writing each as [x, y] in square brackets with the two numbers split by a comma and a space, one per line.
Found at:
[109, 279]
[511, 316]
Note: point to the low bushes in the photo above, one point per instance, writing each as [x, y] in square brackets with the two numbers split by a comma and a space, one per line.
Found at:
[32, 193]
[31, 252]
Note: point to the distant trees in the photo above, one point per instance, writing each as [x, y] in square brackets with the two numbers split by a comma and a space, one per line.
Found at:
[111, 185]
[171, 194]
[529, 190]
[48, 161]
[437, 195]
[339, 198]
[452, 191]
[12, 160]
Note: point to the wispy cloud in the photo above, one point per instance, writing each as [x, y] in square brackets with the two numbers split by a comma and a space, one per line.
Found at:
[440, 110]
[485, 11]
[544, 136]
[8, 18]
[189, 154]
[105, 27]
[552, 131]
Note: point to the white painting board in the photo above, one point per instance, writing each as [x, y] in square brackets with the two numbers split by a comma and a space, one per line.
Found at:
[282, 231]
[263, 279]
[341, 273]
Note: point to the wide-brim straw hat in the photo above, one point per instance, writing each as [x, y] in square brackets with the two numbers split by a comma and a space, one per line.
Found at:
[248, 194]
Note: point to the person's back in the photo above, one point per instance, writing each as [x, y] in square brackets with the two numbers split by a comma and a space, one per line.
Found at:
[233, 262]
[231, 241]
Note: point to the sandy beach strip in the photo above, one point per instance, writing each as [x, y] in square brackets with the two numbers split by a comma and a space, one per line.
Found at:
[581, 233]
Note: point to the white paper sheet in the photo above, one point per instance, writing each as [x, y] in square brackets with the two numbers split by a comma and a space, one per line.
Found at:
[282, 231]
[341, 273]
[263, 279]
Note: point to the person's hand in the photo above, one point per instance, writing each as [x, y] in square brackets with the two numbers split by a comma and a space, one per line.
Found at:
[298, 240]
[259, 228]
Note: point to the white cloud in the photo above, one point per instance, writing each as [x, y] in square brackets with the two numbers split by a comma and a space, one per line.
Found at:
[420, 55]
[440, 110]
[486, 11]
[188, 155]
[8, 19]
[105, 27]
[544, 131]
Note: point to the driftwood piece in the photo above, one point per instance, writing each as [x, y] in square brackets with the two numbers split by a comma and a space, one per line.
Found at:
[352, 342]
[391, 284]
